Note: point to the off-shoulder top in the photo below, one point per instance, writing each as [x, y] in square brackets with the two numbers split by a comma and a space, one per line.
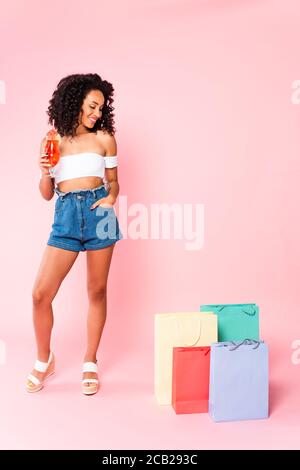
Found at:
[81, 164]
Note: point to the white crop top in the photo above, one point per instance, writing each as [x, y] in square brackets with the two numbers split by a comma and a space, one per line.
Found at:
[81, 164]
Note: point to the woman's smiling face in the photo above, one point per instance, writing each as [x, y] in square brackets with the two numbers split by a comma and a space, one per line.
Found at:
[91, 109]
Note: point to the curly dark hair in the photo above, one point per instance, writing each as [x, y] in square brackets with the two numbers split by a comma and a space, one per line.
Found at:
[67, 100]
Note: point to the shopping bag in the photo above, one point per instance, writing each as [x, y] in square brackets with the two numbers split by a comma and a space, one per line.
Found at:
[178, 329]
[239, 381]
[236, 322]
[190, 379]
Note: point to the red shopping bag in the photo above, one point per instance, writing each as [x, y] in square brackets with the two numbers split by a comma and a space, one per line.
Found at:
[190, 379]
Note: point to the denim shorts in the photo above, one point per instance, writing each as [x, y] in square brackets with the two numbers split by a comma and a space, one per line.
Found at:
[76, 227]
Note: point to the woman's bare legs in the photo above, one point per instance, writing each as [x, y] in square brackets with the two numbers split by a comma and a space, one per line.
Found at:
[98, 264]
[55, 265]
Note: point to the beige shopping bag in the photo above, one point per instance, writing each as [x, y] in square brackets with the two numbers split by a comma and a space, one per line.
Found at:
[178, 329]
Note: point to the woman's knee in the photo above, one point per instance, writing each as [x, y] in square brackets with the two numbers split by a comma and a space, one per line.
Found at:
[41, 296]
[97, 292]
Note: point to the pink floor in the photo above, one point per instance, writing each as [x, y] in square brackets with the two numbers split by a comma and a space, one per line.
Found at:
[125, 415]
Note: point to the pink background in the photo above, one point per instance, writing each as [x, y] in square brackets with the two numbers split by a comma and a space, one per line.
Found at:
[203, 115]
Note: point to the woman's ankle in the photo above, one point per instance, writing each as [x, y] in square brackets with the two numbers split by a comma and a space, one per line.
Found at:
[43, 356]
[90, 358]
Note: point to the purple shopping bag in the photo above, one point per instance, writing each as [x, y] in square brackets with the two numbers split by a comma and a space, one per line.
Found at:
[239, 381]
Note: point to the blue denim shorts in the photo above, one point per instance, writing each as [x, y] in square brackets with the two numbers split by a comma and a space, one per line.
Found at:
[76, 227]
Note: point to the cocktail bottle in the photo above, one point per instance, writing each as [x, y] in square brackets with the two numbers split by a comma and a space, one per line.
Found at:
[52, 147]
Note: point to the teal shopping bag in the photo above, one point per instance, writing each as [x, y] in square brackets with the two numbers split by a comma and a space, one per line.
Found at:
[236, 322]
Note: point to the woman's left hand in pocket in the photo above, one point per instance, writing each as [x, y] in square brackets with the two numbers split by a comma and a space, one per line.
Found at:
[105, 202]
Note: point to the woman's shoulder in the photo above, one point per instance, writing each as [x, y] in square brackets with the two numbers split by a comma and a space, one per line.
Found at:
[104, 134]
[108, 140]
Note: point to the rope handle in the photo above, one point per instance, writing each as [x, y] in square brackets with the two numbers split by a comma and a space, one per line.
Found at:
[246, 342]
[251, 313]
[204, 349]
[180, 334]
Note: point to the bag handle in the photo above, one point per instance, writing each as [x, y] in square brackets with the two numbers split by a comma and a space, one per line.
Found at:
[247, 342]
[180, 334]
[251, 312]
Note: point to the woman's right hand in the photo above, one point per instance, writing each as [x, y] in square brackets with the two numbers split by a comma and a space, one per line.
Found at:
[44, 163]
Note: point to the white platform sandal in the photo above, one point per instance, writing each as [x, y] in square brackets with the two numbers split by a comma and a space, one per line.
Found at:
[93, 383]
[48, 367]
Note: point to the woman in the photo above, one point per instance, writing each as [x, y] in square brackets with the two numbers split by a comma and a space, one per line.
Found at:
[84, 218]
